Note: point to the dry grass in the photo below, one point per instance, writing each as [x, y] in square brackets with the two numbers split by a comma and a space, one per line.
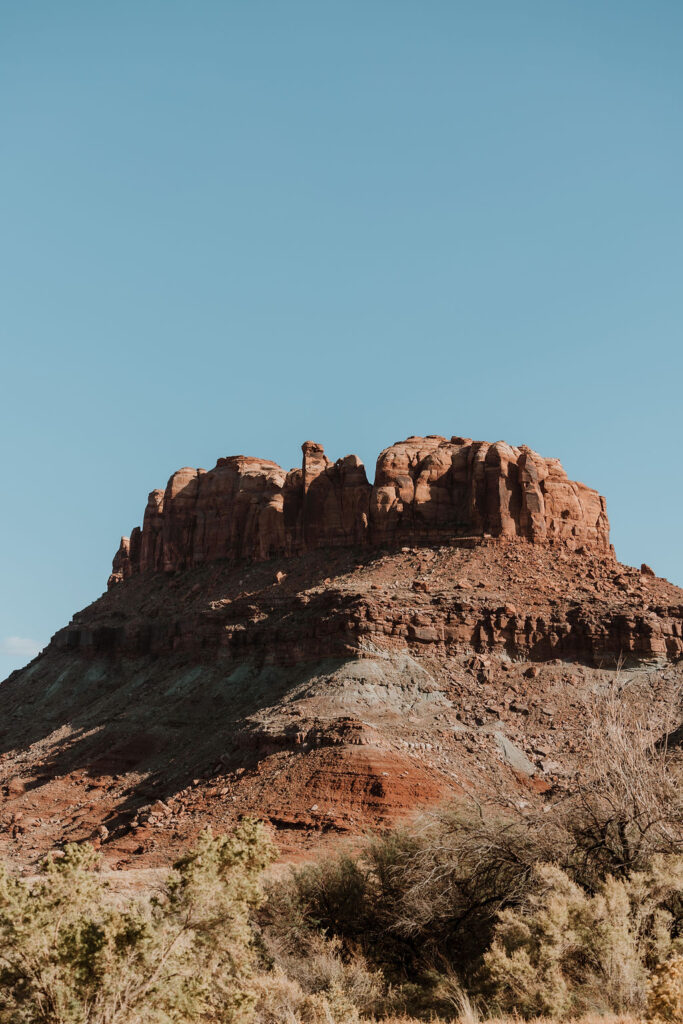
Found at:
[589, 1019]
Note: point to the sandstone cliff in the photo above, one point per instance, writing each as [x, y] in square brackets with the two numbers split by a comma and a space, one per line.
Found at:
[426, 490]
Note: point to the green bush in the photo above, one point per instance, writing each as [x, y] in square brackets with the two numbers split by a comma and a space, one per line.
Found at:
[69, 956]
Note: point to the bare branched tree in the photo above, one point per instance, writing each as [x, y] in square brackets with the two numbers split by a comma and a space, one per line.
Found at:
[627, 802]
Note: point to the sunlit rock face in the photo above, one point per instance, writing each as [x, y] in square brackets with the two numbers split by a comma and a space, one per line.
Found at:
[426, 490]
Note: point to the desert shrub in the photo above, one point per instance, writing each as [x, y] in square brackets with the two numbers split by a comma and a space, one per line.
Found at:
[417, 901]
[565, 950]
[665, 991]
[320, 967]
[333, 895]
[445, 890]
[68, 955]
[280, 1000]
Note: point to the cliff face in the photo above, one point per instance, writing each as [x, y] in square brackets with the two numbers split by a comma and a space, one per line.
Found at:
[426, 490]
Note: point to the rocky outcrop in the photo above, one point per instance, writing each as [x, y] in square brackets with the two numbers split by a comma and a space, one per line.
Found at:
[426, 490]
[432, 488]
[591, 610]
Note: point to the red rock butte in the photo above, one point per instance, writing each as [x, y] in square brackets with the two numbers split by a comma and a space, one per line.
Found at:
[426, 490]
[330, 654]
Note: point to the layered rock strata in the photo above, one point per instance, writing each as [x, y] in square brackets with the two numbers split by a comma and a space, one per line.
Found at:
[480, 598]
[426, 490]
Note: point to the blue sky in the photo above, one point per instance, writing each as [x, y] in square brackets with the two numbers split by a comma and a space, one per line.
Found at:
[229, 227]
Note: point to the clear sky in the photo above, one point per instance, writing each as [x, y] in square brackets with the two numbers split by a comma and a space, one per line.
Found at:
[231, 226]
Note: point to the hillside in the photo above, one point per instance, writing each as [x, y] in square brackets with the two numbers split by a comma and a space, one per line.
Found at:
[329, 654]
